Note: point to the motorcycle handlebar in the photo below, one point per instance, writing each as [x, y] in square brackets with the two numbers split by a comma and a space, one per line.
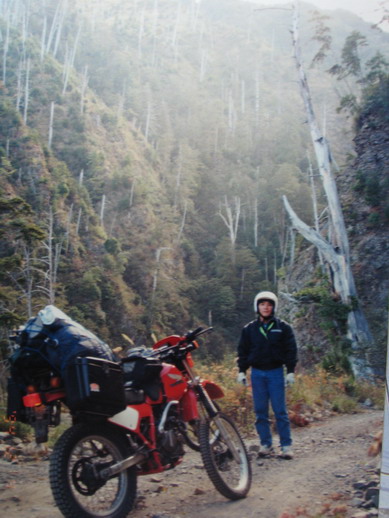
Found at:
[187, 339]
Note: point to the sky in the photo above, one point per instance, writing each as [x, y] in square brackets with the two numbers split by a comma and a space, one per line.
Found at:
[366, 9]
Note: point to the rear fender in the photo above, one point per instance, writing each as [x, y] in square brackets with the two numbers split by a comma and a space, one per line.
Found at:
[38, 398]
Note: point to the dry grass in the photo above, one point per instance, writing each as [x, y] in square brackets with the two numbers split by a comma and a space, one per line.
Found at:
[314, 395]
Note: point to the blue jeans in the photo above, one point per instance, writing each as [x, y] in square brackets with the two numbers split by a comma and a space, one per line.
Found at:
[269, 386]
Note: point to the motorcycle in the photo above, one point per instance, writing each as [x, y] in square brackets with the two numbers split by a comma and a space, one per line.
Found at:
[132, 418]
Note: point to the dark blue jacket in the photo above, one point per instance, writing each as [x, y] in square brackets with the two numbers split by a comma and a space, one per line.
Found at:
[276, 349]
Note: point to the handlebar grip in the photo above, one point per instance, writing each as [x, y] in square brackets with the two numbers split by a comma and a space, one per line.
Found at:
[189, 337]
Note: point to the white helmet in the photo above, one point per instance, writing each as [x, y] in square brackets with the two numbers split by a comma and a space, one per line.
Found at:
[265, 295]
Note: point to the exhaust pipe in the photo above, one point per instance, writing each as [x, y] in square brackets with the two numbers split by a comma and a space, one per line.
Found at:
[107, 473]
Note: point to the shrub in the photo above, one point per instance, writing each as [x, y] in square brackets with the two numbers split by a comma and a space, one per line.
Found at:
[373, 219]
[337, 358]
[344, 404]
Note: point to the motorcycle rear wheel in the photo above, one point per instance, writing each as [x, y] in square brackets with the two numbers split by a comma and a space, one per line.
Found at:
[80, 452]
[225, 459]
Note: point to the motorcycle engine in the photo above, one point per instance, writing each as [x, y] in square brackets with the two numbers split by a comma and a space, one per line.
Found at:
[171, 441]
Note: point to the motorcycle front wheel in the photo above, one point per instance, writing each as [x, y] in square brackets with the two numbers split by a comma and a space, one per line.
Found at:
[78, 456]
[192, 430]
[225, 458]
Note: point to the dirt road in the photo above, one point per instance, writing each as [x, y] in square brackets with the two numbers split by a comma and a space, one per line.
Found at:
[329, 457]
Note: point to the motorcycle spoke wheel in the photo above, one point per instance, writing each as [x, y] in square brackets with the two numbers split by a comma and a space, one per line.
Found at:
[191, 434]
[225, 458]
[78, 456]
[192, 431]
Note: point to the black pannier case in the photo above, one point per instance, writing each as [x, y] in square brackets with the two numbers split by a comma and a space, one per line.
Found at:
[94, 386]
[15, 407]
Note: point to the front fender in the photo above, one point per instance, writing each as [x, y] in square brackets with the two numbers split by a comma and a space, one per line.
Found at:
[213, 390]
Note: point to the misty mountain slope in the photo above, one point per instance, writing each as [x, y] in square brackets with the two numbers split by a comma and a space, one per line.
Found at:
[162, 135]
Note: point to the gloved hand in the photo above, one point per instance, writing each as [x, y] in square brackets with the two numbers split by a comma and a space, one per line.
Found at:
[289, 379]
[242, 378]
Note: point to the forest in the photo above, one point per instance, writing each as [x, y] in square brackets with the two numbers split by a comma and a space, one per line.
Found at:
[146, 147]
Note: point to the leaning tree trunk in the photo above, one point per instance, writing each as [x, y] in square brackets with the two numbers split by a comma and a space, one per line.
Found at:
[336, 253]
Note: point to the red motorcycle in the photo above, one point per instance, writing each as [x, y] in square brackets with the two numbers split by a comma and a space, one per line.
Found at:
[133, 418]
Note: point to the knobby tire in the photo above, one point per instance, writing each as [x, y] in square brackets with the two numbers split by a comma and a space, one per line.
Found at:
[68, 490]
[230, 478]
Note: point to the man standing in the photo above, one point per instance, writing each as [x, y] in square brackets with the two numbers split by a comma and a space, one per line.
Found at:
[266, 345]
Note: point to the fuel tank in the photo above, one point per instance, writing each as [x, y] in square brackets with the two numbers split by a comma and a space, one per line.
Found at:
[174, 383]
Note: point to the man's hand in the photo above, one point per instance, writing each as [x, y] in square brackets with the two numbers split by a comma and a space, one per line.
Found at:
[242, 378]
[289, 379]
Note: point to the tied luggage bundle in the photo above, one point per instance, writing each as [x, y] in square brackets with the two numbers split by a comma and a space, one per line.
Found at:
[53, 339]
[52, 342]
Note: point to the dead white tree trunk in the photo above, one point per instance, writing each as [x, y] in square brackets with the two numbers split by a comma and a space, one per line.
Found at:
[256, 223]
[75, 46]
[84, 85]
[203, 65]
[43, 39]
[53, 28]
[314, 204]
[25, 20]
[257, 98]
[154, 31]
[66, 61]
[243, 96]
[26, 92]
[70, 59]
[132, 192]
[158, 253]
[231, 112]
[51, 125]
[5, 50]
[176, 26]
[102, 209]
[50, 261]
[140, 34]
[336, 252]
[231, 220]
[180, 232]
[60, 26]
[78, 221]
[68, 228]
[149, 114]
[321, 148]
[19, 89]
[292, 234]
[178, 177]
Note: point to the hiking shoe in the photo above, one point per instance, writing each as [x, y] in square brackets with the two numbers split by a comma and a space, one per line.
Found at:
[286, 452]
[265, 451]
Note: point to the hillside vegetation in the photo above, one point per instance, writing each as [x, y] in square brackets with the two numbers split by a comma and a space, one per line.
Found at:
[145, 147]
